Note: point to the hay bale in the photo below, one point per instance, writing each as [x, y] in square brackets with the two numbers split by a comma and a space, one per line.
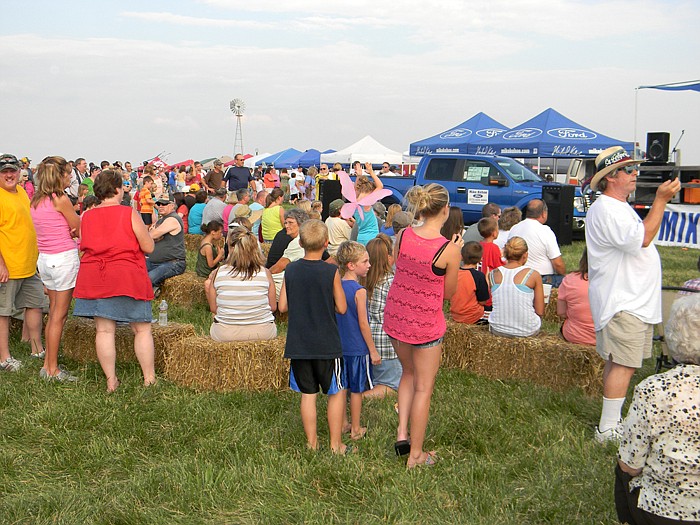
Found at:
[184, 290]
[544, 359]
[79, 340]
[203, 364]
[192, 241]
[550, 309]
[265, 247]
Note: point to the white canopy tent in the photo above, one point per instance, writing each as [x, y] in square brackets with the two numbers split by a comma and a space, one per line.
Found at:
[250, 161]
[364, 150]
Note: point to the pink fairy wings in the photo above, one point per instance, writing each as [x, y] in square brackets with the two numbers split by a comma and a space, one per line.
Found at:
[348, 191]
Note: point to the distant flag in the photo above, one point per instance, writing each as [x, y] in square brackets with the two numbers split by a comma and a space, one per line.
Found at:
[689, 85]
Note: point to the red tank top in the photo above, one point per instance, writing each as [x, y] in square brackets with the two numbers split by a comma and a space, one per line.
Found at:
[113, 263]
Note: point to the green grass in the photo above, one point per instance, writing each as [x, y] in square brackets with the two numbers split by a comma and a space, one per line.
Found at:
[512, 452]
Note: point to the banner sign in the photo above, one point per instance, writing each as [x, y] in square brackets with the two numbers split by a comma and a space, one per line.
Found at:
[679, 226]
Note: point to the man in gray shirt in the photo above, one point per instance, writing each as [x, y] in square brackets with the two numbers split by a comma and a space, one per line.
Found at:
[471, 233]
[214, 209]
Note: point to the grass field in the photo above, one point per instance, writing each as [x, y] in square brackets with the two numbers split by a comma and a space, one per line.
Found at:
[512, 453]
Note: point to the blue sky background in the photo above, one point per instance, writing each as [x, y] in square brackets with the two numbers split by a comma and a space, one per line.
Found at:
[126, 80]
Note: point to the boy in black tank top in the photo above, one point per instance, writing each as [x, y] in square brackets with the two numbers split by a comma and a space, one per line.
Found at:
[312, 293]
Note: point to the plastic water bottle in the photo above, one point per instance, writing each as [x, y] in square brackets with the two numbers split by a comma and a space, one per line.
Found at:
[163, 315]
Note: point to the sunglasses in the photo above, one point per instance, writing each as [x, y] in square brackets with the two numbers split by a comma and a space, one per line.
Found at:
[630, 169]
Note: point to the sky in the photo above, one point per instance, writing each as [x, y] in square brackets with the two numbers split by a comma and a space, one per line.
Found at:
[126, 80]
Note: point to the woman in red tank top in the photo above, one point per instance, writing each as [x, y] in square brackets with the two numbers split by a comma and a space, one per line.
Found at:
[426, 275]
[113, 283]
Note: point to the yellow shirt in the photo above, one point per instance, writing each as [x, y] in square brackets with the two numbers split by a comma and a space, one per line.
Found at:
[17, 236]
[271, 223]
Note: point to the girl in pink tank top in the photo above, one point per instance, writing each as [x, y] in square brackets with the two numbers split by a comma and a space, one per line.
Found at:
[56, 225]
[426, 275]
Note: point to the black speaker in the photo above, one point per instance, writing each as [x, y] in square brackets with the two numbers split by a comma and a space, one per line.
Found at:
[559, 199]
[657, 147]
[328, 191]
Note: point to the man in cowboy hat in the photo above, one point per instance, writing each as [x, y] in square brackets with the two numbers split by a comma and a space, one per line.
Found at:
[624, 273]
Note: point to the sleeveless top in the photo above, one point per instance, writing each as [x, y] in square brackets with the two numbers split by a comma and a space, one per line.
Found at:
[52, 229]
[413, 311]
[201, 268]
[271, 224]
[112, 265]
[169, 247]
[367, 227]
[513, 305]
[312, 331]
[242, 302]
[349, 323]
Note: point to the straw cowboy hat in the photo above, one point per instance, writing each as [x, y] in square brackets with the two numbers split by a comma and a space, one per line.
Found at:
[244, 211]
[609, 161]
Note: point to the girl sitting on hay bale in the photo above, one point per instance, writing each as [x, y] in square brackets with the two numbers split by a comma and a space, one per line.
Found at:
[518, 296]
[241, 293]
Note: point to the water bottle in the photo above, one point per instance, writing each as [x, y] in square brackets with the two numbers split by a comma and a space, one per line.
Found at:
[163, 315]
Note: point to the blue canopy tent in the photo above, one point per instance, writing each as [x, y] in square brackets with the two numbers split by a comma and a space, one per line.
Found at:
[549, 134]
[458, 138]
[312, 157]
[276, 158]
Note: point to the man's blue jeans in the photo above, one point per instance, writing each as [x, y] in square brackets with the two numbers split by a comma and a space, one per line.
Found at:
[159, 272]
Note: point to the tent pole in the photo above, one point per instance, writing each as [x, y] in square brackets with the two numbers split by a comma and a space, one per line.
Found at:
[636, 94]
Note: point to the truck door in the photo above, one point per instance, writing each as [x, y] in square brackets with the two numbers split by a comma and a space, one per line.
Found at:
[482, 182]
[448, 172]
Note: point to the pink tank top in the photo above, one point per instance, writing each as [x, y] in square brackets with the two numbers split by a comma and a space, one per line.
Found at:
[52, 230]
[413, 312]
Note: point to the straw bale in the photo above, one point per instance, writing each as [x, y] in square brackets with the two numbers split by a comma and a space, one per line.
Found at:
[186, 289]
[79, 340]
[192, 241]
[265, 247]
[547, 360]
[204, 364]
[550, 309]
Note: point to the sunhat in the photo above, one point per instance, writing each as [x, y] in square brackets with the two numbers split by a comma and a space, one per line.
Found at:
[609, 161]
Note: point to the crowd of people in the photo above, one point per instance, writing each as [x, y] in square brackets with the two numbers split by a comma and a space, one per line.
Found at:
[364, 291]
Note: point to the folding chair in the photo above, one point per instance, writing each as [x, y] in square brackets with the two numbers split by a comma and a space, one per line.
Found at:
[668, 295]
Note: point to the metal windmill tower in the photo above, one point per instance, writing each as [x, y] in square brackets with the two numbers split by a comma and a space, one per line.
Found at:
[237, 108]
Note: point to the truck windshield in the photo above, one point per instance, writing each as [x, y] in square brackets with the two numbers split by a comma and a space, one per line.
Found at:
[518, 172]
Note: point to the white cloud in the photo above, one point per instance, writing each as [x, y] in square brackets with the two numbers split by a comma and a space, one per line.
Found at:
[192, 21]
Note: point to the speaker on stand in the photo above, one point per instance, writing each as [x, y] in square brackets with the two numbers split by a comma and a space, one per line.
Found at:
[657, 147]
[559, 199]
[328, 191]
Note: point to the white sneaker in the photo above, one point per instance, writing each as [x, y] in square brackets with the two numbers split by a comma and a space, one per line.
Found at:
[11, 365]
[611, 435]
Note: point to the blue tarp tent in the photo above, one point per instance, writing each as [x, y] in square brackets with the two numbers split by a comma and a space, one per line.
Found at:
[305, 159]
[278, 157]
[458, 138]
[549, 134]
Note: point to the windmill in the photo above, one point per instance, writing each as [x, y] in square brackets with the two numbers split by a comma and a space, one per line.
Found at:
[237, 108]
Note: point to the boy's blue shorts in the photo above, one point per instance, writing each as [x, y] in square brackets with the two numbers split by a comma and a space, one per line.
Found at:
[358, 373]
[306, 375]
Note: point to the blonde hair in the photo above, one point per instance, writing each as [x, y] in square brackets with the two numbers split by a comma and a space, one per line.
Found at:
[379, 250]
[313, 235]
[304, 205]
[349, 252]
[244, 255]
[427, 201]
[314, 215]
[241, 221]
[317, 205]
[514, 249]
[312, 172]
[509, 218]
[49, 179]
[390, 212]
[364, 186]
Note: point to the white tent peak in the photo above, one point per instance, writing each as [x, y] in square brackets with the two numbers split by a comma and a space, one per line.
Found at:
[366, 149]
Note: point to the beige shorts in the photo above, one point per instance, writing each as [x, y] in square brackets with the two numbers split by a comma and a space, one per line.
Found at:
[626, 340]
[18, 294]
[253, 332]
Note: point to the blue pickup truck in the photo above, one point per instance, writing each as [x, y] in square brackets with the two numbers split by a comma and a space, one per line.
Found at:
[474, 180]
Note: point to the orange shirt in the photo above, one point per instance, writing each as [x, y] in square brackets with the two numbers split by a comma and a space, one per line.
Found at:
[464, 306]
[146, 199]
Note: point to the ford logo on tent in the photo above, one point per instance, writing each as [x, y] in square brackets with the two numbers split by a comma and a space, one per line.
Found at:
[489, 133]
[571, 134]
[522, 134]
[456, 133]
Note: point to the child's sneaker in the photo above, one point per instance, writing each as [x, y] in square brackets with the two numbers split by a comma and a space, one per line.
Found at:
[11, 364]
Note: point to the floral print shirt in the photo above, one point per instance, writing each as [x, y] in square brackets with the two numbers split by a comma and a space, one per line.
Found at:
[661, 436]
